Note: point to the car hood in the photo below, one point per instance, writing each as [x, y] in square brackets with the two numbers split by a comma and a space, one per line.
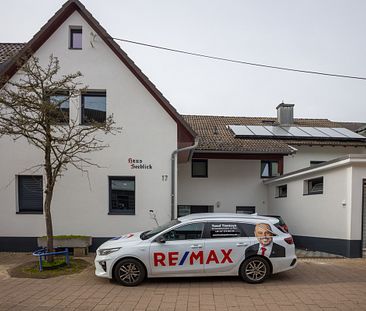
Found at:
[122, 240]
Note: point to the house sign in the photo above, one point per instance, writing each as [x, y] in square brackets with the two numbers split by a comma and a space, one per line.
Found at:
[138, 164]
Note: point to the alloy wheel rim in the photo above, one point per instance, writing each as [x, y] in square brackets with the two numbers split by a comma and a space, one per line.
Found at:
[256, 270]
[129, 273]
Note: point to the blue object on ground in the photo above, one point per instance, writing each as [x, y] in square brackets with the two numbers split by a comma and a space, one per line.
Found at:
[43, 253]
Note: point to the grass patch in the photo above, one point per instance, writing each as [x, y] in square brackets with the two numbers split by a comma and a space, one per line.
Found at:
[57, 268]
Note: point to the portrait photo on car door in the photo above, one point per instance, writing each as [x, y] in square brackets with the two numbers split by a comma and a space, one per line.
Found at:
[265, 246]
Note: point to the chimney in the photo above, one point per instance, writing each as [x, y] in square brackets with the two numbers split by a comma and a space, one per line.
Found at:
[285, 114]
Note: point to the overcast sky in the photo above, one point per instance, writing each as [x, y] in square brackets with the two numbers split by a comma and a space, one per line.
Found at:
[327, 35]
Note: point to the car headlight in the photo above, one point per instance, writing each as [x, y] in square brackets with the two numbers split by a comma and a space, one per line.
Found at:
[107, 251]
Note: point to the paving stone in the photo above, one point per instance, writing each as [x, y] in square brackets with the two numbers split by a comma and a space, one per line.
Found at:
[323, 283]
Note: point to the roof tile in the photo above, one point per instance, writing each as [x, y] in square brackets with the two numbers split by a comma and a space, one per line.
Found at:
[214, 135]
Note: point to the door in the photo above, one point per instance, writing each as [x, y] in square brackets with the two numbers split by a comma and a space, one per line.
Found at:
[225, 245]
[180, 251]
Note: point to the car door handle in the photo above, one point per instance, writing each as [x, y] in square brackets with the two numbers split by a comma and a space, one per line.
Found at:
[241, 244]
[196, 246]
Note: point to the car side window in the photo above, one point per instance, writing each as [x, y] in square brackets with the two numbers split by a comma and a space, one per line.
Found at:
[218, 230]
[187, 232]
[260, 229]
[248, 229]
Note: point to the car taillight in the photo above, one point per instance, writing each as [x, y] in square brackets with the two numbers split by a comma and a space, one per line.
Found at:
[289, 240]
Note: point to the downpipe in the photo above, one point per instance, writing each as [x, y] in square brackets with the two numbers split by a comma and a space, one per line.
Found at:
[173, 165]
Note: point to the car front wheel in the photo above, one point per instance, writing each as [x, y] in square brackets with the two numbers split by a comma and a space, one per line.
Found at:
[254, 270]
[129, 272]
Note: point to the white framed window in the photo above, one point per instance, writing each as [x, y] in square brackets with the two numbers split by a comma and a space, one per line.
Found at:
[76, 38]
[281, 191]
[314, 186]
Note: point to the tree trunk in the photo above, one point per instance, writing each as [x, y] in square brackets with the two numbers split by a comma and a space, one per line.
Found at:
[49, 192]
[49, 228]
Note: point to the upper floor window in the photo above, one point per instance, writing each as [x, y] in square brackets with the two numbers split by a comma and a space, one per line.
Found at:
[199, 168]
[30, 194]
[93, 107]
[269, 169]
[61, 101]
[76, 35]
[314, 186]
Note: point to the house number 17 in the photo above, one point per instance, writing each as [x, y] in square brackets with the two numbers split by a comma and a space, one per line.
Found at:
[164, 177]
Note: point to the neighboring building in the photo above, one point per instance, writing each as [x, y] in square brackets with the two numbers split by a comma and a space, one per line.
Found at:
[240, 164]
[237, 158]
[325, 205]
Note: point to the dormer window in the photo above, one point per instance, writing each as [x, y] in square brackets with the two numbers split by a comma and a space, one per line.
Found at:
[76, 34]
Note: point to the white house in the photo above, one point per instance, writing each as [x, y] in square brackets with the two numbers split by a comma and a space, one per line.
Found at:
[175, 164]
[136, 169]
[240, 162]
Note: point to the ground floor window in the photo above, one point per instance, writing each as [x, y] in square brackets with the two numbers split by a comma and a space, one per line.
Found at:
[281, 191]
[245, 209]
[184, 210]
[30, 194]
[314, 186]
[122, 195]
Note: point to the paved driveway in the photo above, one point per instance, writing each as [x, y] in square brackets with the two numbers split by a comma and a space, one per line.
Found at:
[316, 284]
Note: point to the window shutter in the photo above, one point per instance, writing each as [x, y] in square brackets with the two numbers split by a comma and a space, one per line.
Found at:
[30, 193]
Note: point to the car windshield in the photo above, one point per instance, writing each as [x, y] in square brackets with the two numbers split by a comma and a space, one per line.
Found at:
[148, 234]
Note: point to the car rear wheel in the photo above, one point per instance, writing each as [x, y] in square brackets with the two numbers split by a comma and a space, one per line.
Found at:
[129, 272]
[254, 270]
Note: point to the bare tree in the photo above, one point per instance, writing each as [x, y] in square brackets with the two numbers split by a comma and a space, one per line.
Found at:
[34, 106]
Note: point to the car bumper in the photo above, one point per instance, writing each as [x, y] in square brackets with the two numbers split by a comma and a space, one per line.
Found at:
[283, 264]
[103, 267]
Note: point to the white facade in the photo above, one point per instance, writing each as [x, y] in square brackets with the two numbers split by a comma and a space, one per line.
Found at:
[81, 202]
[230, 183]
[150, 135]
[304, 154]
[335, 213]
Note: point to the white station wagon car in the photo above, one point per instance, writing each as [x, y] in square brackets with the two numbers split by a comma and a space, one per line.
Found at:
[252, 247]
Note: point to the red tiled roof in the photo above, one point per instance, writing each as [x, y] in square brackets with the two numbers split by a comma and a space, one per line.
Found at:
[7, 50]
[215, 136]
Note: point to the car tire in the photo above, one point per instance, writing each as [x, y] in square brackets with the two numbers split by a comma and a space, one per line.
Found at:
[254, 270]
[129, 272]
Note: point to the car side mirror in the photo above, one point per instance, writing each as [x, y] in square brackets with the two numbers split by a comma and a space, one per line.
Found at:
[160, 239]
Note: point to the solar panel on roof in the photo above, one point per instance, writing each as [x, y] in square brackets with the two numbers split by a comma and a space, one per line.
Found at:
[241, 130]
[259, 130]
[295, 131]
[314, 132]
[331, 132]
[278, 131]
[348, 132]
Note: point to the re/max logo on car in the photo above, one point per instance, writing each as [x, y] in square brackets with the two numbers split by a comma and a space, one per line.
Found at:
[174, 258]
